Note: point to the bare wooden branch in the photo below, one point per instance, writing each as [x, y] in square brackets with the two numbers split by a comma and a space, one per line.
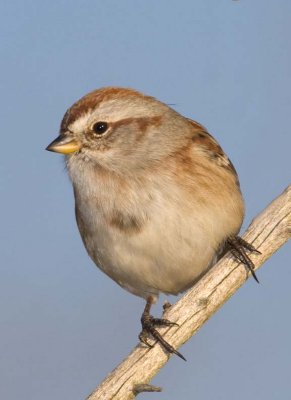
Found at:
[268, 232]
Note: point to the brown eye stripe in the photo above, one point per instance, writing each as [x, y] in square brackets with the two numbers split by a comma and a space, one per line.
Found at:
[142, 122]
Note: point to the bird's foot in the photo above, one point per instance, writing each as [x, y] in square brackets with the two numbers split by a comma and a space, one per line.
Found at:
[149, 324]
[238, 248]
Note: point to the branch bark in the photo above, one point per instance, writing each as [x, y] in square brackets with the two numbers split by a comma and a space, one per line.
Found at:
[267, 232]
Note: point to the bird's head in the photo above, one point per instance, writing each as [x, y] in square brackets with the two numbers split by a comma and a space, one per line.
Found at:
[119, 128]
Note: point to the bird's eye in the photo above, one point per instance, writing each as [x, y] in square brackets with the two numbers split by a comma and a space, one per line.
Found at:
[100, 127]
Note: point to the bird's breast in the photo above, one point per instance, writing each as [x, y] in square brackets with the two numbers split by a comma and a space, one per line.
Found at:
[151, 237]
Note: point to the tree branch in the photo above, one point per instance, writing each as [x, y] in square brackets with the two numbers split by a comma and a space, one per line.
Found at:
[267, 232]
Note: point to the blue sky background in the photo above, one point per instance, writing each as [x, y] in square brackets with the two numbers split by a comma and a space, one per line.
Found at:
[65, 325]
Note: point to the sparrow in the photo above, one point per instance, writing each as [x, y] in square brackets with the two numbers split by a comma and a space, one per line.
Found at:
[157, 200]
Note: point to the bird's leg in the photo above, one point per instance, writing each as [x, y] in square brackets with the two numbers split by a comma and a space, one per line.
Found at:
[148, 323]
[238, 247]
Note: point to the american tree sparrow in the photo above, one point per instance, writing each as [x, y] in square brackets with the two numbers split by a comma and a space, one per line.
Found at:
[157, 199]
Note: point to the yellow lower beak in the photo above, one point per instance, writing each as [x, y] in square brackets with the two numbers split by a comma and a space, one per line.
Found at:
[64, 144]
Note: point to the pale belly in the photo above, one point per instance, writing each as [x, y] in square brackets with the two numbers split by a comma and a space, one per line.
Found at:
[172, 250]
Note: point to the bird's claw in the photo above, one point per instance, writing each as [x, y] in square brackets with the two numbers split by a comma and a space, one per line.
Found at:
[149, 323]
[238, 247]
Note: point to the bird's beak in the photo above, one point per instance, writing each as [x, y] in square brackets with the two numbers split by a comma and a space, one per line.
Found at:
[64, 144]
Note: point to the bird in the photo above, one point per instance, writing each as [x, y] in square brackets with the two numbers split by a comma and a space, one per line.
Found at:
[157, 200]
